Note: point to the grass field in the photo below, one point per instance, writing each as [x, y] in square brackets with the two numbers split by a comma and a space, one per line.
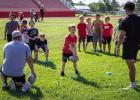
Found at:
[93, 84]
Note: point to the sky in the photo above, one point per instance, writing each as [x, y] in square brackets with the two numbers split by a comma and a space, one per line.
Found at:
[89, 1]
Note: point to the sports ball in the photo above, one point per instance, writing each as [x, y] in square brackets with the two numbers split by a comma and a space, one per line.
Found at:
[31, 78]
[73, 58]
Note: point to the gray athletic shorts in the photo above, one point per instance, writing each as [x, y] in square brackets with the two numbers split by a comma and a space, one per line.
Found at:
[97, 37]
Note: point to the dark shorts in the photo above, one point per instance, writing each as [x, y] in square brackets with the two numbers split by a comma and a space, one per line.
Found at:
[107, 40]
[9, 37]
[130, 52]
[15, 79]
[43, 47]
[82, 39]
[89, 38]
[65, 56]
[32, 46]
[97, 37]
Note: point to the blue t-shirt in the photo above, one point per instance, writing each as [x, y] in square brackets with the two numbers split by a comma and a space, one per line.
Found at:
[15, 56]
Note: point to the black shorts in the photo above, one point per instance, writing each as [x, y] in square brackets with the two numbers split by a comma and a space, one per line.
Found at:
[15, 79]
[82, 39]
[9, 37]
[65, 56]
[89, 38]
[107, 40]
[32, 46]
[130, 52]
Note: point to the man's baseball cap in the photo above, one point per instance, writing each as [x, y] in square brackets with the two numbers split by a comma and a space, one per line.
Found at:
[16, 34]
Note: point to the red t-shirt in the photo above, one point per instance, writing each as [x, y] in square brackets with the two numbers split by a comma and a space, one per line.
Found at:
[69, 40]
[82, 29]
[107, 30]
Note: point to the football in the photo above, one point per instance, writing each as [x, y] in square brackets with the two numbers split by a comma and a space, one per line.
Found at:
[31, 78]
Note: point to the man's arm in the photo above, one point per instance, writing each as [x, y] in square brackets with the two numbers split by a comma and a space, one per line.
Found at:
[5, 32]
[121, 37]
[30, 63]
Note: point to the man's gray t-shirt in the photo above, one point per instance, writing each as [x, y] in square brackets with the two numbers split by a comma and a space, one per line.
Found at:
[15, 56]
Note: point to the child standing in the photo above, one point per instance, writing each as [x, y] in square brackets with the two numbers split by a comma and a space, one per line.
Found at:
[89, 31]
[107, 34]
[69, 50]
[81, 32]
[116, 36]
[24, 31]
[41, 42]
[33, 35]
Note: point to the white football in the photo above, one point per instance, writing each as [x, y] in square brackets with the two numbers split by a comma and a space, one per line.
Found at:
[31, 78]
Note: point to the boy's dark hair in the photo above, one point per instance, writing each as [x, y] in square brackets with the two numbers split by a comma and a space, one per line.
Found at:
[97, 15]
[130, 6]
[31, 21]
[24, 22]
[107, 18]
[12, 14]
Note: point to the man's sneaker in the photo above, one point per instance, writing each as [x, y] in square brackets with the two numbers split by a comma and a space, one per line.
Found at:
[62, 74]
[77, 73]
[4, 85]
[26, 87]
[12, 85]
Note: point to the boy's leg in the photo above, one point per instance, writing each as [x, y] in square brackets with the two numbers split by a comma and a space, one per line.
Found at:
[109, 44]
[83, 40]
[64, 61]
[63, 68]
[36, 55]
[79, 43]
[100, 42]
[104, 44]
[75, 67]
[95, 41]
[46, 51]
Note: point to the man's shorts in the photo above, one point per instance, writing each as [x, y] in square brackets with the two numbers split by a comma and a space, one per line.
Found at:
[9, 37]
[89, 38]
[82, 39]
[107, 40]
[97, 37]
[15, 79]
[130, 51]
[65, 56]
[43, 47]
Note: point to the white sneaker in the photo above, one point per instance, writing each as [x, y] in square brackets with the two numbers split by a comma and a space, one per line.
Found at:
[4, 85]
[12, 85]
[26, 87]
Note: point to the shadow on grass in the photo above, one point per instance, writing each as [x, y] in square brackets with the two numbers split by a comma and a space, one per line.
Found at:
[49, 64]
[87, 52]
[35, 94]
[85, 81]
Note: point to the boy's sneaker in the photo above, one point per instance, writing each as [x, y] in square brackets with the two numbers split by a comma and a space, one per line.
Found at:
[12, 85]
[131, 86]
[46, 61]
[26, 87]
[62, 74]
[100, 50]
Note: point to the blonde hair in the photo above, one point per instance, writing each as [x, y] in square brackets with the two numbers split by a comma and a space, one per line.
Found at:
[42, 34]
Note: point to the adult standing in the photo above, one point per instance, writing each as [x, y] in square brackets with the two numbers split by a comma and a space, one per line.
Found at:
[32, 14]
[42, 13]
[10, 27]
[13, 64]
[130, 36]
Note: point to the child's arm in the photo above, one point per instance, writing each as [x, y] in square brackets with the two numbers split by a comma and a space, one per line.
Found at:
[73, 49]
[5, 32]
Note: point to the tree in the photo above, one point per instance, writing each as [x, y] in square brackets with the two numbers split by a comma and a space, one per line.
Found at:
[137, 2]
[97, 7]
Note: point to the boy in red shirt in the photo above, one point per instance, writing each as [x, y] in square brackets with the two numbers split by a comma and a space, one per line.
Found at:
[81, 32]
[107, 34]
[69, 50]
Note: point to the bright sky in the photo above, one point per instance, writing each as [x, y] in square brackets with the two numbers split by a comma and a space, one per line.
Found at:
[89, 1]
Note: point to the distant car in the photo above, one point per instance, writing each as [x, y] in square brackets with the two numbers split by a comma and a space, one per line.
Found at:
[84, 12]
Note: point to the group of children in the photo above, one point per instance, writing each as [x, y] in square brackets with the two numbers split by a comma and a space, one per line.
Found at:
[30, 35]
[91, 31]
[96, 31]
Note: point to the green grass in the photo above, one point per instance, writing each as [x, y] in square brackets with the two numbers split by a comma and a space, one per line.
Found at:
[93, 83]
